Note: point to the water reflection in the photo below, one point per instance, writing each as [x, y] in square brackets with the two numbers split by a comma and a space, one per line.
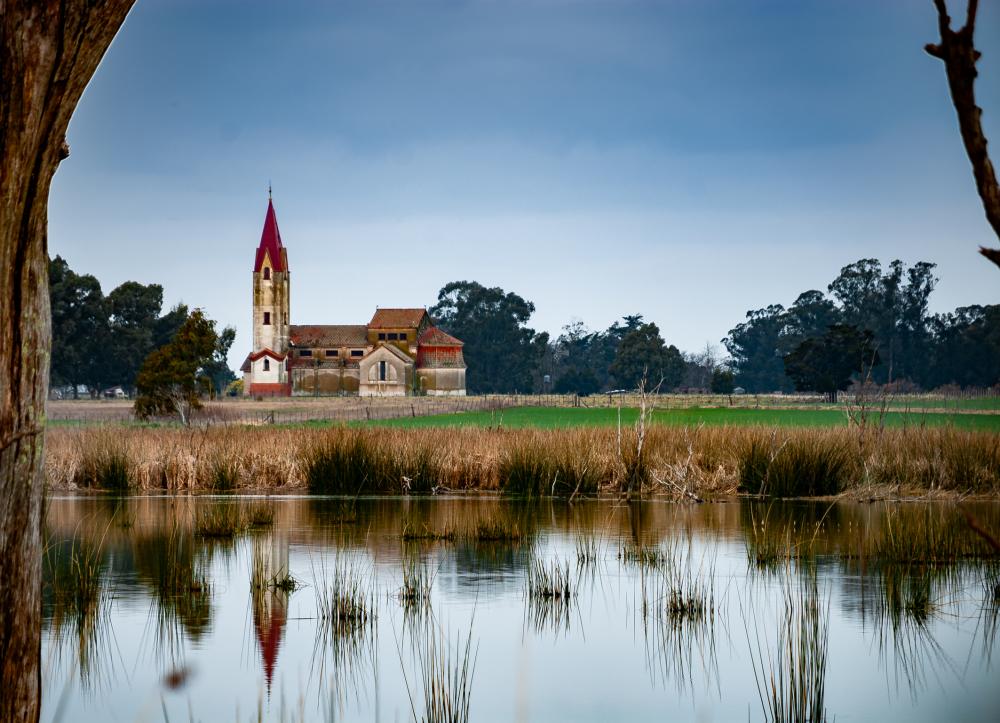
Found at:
[360, 608]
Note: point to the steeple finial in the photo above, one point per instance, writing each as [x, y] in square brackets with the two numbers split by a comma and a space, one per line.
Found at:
[269, 189]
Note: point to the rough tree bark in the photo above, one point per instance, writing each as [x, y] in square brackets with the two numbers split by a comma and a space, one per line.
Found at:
[959, 54]
[48, 52]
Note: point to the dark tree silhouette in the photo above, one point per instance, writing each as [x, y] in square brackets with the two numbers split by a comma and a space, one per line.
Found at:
[957, 51]
[49, 49]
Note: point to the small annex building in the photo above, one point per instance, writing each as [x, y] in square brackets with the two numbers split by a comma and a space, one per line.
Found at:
[399, 352]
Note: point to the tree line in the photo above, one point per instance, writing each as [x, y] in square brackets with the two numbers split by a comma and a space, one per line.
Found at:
[872, 323]
[503, 354]
[99, 340]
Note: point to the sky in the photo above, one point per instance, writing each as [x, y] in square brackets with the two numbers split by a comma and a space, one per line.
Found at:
[688, 160]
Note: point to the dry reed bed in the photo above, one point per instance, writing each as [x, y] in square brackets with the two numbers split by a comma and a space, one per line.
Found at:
[681, 461]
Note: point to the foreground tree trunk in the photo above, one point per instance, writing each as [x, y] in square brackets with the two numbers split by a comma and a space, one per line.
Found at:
[959, 54]
[48, 52]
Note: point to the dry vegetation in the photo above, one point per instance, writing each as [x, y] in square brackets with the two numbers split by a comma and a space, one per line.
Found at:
[683, 462]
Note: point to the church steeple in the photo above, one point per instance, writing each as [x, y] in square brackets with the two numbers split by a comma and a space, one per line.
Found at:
[270, 242]
[271, 289]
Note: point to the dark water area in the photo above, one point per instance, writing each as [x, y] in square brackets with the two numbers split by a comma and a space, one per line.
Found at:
[293, 608]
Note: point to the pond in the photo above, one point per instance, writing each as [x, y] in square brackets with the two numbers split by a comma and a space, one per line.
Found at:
[390, 609]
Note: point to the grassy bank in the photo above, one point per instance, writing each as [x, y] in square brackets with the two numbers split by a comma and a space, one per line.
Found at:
[706, 462]
[565, 417]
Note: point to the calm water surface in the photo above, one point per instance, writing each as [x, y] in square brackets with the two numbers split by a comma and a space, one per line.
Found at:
[146, 619]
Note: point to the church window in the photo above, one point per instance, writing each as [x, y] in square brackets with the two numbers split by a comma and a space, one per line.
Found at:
[267, 273]
[393, 336]
[381, 371]
[331, 352]
[357, 352]
[267, 318]
[305, 352]
[381, 336]
[267, 364]
[403, 336]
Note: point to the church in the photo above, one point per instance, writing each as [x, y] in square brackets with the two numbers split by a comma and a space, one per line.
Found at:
[399, 352]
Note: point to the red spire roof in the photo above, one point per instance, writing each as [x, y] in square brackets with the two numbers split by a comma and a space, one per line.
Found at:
[270, 243]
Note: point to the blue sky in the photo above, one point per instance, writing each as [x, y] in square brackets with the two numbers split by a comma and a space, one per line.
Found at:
[684, 159]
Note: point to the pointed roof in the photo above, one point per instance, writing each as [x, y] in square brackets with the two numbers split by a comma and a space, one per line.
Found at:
[270, 243]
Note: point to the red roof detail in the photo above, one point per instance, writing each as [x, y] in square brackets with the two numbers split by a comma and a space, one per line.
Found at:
[435, 337]
[397, 319]
[327, 335]
[270, 243]
[266, 352]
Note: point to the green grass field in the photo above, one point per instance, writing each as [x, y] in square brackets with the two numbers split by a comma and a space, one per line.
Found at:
[563, 417]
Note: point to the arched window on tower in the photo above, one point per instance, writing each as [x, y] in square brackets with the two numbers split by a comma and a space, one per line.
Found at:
[267, 364]
[381, 371]
[267, 273]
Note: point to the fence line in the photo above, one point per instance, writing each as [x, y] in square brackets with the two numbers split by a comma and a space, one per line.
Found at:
[296, 410]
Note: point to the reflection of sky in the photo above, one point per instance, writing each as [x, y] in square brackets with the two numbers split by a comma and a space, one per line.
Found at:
[596, 670]
[687, 160]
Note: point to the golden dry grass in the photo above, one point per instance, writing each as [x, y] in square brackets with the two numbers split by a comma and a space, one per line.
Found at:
[681, 461]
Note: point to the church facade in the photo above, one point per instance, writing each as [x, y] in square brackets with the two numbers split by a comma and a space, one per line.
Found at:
[397, 353]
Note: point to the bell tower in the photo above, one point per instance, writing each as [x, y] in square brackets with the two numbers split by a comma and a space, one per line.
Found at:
[271, 287]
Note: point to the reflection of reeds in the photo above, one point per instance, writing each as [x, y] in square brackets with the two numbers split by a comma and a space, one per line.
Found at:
[345, 606]
[413, 532]
[549, 581]
[445, 675]
[182, 602]
[906, 602]
[644, 555]
[496, 529]
[678, 609]
[927, 535]
[989, 612]
[551, 596]
[791, 678]
[771, 544]
[221, 521]
[415, 594]
[78, 604]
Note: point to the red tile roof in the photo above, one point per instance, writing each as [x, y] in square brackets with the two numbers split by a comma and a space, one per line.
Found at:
[327, 335]
[435, 337]
[397, 318]
[270, 243]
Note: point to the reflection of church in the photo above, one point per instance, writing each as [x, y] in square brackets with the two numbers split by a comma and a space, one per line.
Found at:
[270, 605]
[398, 352]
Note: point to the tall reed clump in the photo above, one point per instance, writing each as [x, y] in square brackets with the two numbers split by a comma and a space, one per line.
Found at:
[446, 674]
[104, 463]
[350, 462]
[546, 465]
[791, 680]
[800, 466]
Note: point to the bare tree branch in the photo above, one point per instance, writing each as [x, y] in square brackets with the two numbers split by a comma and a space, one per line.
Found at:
[959, 55]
